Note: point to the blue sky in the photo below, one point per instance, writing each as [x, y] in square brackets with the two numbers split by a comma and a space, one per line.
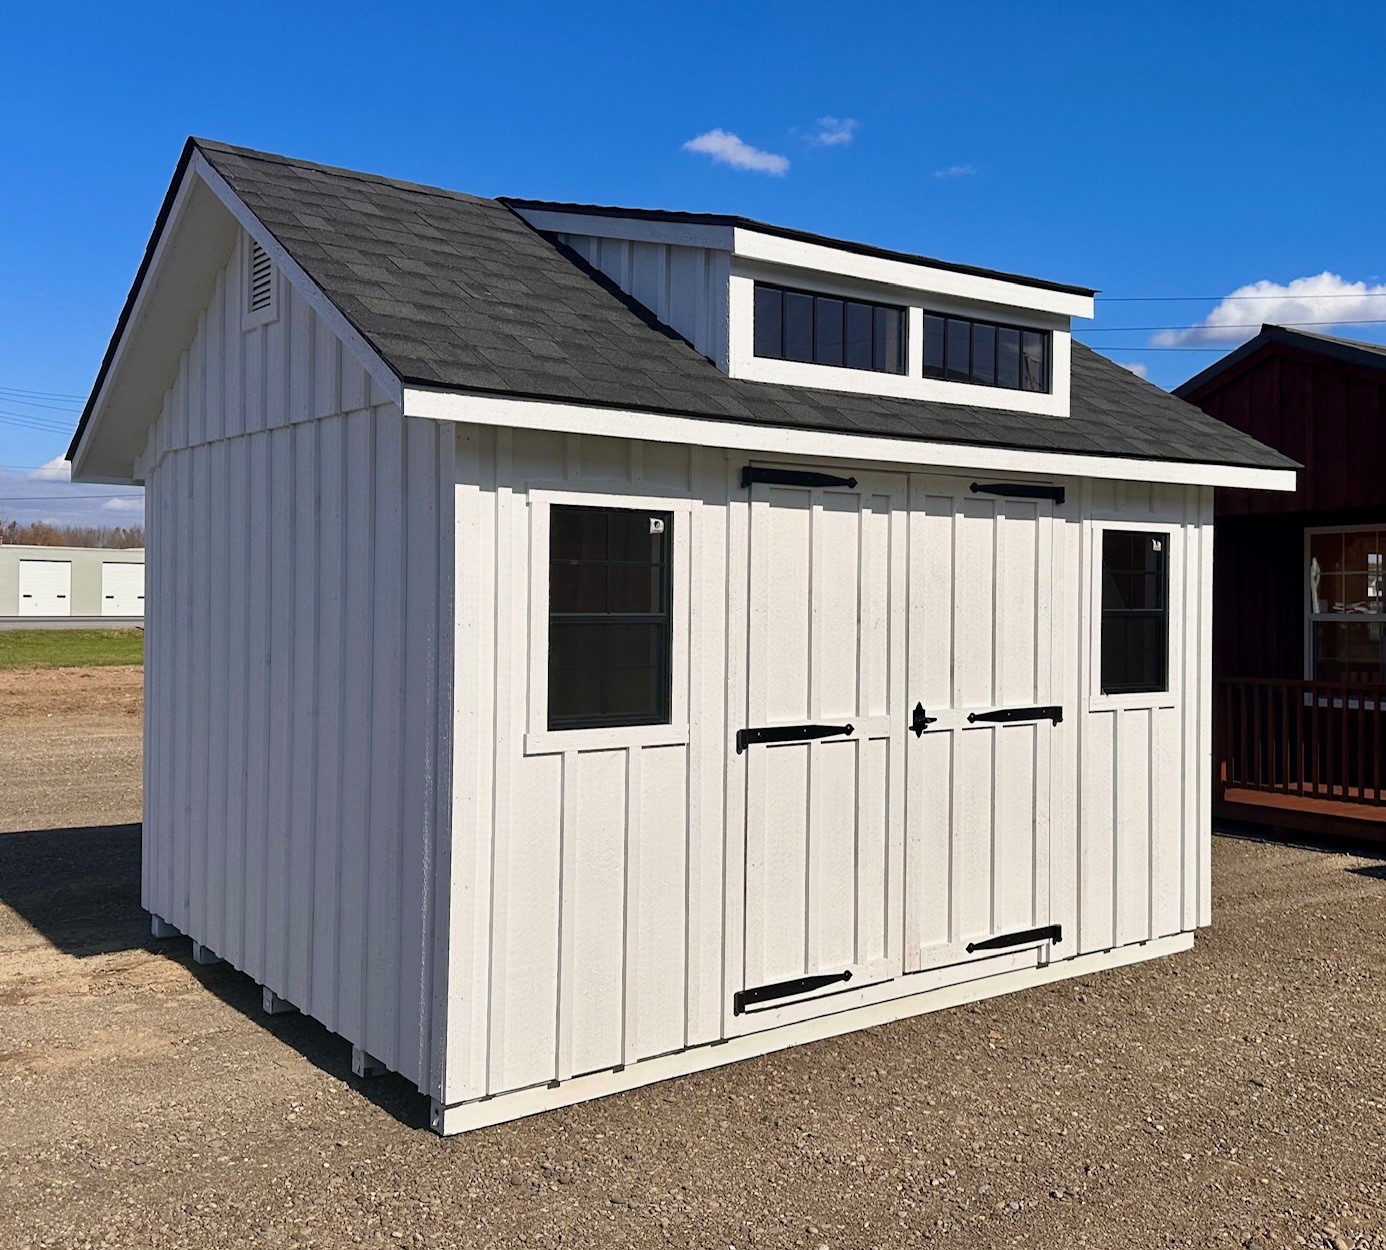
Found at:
[1175, 150]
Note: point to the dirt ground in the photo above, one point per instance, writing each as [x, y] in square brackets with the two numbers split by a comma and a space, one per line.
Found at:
[1231, 1096]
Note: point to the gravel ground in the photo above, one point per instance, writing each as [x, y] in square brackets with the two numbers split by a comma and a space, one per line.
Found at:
[1230, 1096]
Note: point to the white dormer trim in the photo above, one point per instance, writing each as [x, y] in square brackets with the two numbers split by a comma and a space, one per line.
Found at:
[903, 275]
[744, 363]
[723, 320]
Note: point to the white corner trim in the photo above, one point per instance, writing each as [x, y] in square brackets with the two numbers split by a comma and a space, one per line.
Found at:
[493, 410]
[289, 268]
[463, 1117]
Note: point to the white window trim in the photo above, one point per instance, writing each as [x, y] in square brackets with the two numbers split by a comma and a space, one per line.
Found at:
[912, 384]
[1174, 612]
[252, 318]
[1310, 616]
[539, 739]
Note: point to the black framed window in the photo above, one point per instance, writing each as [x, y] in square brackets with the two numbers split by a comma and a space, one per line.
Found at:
[610, 627]
[827, 330]
[1135, 611]
[986, 353]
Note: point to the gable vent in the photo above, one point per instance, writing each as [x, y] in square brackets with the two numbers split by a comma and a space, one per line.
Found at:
[261, 279]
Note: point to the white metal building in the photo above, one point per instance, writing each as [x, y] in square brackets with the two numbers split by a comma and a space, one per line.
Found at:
[96, 587]
[590, 645]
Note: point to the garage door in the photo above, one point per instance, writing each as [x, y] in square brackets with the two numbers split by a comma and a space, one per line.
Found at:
[45, 588]
[822, 739]
[982, 699]
[122, 589]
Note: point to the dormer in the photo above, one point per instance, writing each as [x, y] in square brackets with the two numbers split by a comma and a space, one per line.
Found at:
[770, 304]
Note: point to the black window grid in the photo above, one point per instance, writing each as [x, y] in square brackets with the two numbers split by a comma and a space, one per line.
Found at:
[829, 326]
[1134, 646]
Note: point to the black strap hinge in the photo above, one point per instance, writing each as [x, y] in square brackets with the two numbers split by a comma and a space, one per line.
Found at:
[1020, 490]
[792, 477]
[1054, 713]
[1047, 933]
[785, 989]
[787, 733]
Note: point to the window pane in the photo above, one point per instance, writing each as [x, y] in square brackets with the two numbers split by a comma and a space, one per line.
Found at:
[933, 346]
[859, 336]
[1035, 373]
[638, 535]
[1008, 358]
[635, 588]
[827, 331]
[577, 533]
[1326, 550]
[958, 363]
[769, 322]
[609, 624]
[1135, 625]
[577, 587]
[889, 341]
[1350, 651]
[798, 326]
[984, 354]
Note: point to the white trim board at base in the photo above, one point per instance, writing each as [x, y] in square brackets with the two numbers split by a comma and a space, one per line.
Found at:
[473, 409]
[485, 1112]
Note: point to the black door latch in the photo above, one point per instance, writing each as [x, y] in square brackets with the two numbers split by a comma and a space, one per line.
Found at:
[921, 722]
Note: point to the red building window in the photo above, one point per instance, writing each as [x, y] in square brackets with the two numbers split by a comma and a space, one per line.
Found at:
[1346, 629]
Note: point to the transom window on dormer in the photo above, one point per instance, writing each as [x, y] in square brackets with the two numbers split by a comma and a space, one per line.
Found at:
[985, 353]
[827, 330]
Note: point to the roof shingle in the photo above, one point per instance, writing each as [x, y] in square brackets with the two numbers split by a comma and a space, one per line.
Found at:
[459, 292]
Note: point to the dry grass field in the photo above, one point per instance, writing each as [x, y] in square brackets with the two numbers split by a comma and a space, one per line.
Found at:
[1231, 1096]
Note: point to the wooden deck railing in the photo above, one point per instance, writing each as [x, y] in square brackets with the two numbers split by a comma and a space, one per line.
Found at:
[1312, 739]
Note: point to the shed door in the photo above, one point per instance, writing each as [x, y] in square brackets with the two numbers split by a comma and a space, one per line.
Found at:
[122, 589]
[45, 588]
[823, 742]
[977, 851]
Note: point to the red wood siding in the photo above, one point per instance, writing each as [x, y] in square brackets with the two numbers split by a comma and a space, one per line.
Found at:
[1327, 414]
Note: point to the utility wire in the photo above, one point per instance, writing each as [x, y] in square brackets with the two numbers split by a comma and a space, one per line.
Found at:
[1162, 299]
[1229, 325]
[67, 498]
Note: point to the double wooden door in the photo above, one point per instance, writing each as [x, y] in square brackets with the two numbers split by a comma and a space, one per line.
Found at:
[895, 735]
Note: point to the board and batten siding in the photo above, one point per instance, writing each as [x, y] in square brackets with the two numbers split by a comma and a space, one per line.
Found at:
[685, 287]
[593, 881]
[297, 677]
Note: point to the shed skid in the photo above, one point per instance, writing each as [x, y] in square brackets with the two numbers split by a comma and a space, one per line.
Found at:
[484, 1112]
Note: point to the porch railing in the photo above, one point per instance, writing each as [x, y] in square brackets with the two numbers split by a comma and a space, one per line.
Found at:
[1310, 739]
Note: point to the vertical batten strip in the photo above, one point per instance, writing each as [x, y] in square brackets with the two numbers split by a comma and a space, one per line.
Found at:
[631, 941]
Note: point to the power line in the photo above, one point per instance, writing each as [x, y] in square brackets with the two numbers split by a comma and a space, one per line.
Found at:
[1229, 325]
[1160, 299]
[15, 390]
[68, 498]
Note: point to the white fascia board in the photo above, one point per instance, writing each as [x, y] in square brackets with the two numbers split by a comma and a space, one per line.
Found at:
[634, 229]
[336, 320]
[915, 276]
[152, 280]
[494, 410]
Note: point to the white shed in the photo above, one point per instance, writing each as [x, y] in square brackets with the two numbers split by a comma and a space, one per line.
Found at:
[587, 645]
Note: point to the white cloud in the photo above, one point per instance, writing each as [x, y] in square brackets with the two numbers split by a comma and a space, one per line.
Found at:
[956, 171]
[836, 132]
[55, 470]
[1135, 367]
[46, 494]
[1323, 300]
[728, 149]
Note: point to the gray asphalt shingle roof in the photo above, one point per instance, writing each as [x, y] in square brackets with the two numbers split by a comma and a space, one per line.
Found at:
[458, 292]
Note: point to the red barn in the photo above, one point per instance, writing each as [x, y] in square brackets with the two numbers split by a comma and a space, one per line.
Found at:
[1299, 653]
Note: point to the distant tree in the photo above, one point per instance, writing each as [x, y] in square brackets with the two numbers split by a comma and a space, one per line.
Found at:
[46, 534]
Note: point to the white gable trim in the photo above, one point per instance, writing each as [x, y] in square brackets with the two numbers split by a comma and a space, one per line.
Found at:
[336, 320]
[439, 405]
[162, 317]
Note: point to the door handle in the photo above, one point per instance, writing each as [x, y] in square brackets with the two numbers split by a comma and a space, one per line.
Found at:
[920, 722]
